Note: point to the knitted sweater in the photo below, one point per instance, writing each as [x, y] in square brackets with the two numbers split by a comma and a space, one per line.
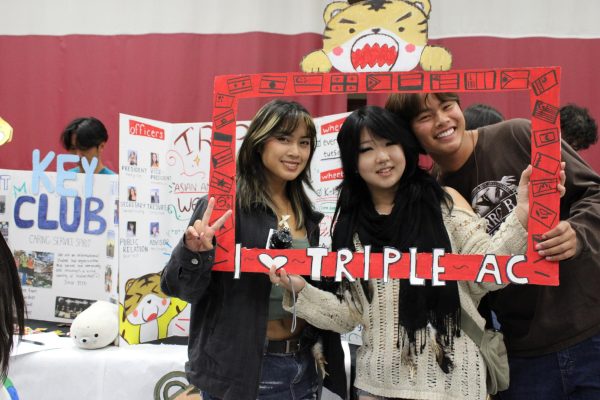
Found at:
[379, 367]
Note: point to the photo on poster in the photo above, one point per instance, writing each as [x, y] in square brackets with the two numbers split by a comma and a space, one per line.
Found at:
[69, 307]
[116, 216]
[108, 279]
[35, 268]
[2, 204]
[131, 228]
[154, 160]
[4, 229]
[110, 243]
[154, 229]
[154, 198]
[131, 193]
[132, 157]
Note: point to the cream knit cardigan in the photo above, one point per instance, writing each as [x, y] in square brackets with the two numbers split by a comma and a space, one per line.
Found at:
[379, 369]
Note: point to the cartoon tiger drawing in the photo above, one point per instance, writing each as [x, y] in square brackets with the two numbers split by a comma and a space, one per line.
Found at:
[147, 313]
[377, 36]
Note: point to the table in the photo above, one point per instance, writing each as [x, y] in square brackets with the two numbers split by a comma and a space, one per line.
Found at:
[131, 372]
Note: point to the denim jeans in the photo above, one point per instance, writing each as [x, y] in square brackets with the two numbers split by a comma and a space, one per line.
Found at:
[286, 377]
[570, 374]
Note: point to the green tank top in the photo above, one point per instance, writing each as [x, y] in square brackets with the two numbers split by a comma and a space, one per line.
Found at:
[276, 310]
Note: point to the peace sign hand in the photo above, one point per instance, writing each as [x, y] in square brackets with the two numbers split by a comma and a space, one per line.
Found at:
[199, 236]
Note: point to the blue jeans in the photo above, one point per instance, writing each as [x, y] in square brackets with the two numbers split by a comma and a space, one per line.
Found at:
[569, 374]
[286, 377]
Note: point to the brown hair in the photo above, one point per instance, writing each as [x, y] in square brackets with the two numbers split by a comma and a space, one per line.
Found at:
[409, 105]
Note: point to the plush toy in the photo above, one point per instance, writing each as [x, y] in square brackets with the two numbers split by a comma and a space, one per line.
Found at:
[97, 326]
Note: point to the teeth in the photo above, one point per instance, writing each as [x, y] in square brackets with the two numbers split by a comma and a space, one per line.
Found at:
[445, 133]
[384, 170]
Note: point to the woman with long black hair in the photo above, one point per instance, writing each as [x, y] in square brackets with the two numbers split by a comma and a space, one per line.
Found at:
[413, 346]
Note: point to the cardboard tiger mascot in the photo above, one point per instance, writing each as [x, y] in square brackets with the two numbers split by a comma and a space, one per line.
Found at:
[147, 313]
[377, 36]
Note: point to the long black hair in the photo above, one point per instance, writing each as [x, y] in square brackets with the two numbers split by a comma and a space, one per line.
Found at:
[380, 122]
[415, 220]
[12, 305]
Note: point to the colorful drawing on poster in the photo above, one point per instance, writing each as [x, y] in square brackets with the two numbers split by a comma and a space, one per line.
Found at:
[373, 36]
[147, 313]
[6, 132]
[316, 262]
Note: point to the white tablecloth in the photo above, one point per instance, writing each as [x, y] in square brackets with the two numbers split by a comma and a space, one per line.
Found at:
[110, 373]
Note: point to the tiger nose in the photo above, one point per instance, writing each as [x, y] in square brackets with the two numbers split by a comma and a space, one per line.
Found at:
[375, 30]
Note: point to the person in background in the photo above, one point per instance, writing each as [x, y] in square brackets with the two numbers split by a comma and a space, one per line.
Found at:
[243, 345]
[12, 310]
[577, 127]
[552, 333]
[88, 137]
[478, 115]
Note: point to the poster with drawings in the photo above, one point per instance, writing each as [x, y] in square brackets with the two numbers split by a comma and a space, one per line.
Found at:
[61, 229]
[164, 170]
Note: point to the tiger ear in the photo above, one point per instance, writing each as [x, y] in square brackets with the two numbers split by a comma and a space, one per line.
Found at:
[423, 5]
[128, 284]
[333, 9]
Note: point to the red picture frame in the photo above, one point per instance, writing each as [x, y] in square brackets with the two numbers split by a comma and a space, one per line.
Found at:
[543, 84]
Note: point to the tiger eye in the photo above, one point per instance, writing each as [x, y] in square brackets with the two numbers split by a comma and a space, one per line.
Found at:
[401, 29]
[351, 30]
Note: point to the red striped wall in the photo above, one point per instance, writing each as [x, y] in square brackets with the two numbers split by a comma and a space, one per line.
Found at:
[45, 81]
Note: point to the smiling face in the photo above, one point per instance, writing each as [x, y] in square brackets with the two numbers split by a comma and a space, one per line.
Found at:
[381, 163]
[376, 35]
[285, 156]
[440, 128]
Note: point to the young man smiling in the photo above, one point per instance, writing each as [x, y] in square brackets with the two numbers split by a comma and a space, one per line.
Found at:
[552, 333]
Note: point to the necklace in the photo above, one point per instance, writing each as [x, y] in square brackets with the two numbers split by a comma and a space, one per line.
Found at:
[284, 218]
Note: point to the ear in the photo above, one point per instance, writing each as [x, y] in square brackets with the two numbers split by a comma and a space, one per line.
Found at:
[423, 5]
[333, 9]
[128, 284]
[101, 147]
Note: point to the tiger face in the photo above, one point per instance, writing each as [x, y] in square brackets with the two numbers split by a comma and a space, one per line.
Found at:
[144, 300]
[376, 35]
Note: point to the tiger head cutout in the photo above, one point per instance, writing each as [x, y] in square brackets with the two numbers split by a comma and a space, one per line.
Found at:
[377, 36]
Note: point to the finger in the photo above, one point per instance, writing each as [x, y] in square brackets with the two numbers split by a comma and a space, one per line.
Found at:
[525, 175]
[198, 226]
[561, 189]
[206, 241]
[558, 230]
[273, 275]
[208, 211]
[219, 222]
[284, 280]
[191, 233]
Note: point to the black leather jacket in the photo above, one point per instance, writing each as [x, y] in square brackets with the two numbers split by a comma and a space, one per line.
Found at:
[229, 316]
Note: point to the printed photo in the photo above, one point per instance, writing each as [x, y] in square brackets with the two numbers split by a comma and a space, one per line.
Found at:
[110, 243]
[132, 157]
[131, 193]
[69, 307]
[131, 225]
[154, 160]
[154, 196]
[154, 232]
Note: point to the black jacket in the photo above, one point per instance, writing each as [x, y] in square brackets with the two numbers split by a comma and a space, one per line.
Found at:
[229, 316]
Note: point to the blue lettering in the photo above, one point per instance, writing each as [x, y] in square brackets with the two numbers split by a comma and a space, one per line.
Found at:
[62, 175]
[64, 207]
[43, 222]
[91, 215]
[39, 172]
[22, 223]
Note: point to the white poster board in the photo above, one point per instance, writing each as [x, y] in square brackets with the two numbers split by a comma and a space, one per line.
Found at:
[61, 229]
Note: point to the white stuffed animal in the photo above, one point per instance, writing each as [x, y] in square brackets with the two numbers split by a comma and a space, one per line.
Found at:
[97, 326]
